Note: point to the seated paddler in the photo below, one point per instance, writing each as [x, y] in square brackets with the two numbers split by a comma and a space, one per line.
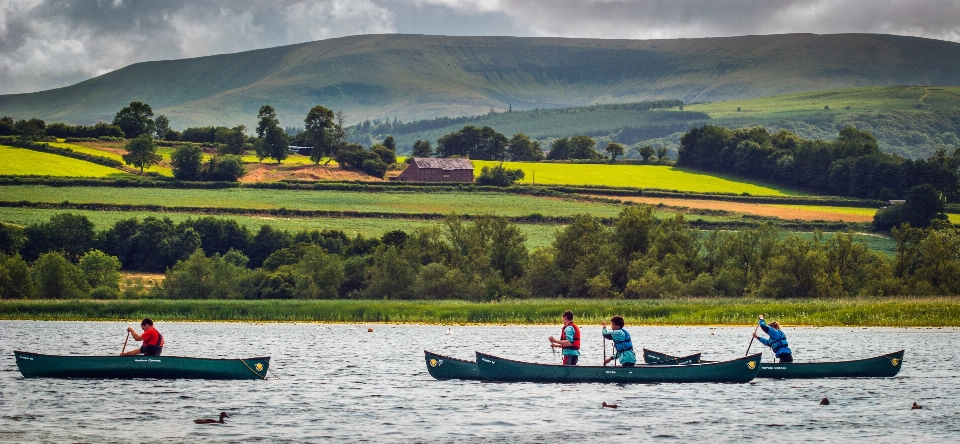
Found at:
[622, 344]
[569, 340]
[152, 340]
[777, 340]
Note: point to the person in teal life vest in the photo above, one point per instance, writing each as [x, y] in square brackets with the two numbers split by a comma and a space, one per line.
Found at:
[569, 340]
[777, 341]
[621, 342]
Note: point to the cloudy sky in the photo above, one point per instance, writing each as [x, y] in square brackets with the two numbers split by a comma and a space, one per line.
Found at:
[51, 43]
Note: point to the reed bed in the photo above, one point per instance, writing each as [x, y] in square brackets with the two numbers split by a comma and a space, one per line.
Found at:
[877, 312]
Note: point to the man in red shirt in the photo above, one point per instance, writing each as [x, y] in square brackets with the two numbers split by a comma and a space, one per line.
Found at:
[152, 340]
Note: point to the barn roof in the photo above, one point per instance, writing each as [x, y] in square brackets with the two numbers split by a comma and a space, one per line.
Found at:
[443, 164]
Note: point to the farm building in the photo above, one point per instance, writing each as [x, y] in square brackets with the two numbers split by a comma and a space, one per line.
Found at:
[427, 169]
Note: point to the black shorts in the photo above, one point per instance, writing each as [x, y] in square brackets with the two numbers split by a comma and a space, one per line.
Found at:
[570, 359]
[786, 357]
[151, 350]
[627, 364]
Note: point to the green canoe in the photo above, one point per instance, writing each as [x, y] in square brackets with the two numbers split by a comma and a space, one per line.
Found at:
[445, 367]
[36, 365]
[655, 358]
[499, 369]
[883, 366]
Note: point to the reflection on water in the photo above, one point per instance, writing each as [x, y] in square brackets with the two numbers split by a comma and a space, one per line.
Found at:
[341, 383]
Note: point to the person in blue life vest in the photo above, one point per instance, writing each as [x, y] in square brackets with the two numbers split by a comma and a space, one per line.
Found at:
[777, 341]
[569, 340]
[621, 342]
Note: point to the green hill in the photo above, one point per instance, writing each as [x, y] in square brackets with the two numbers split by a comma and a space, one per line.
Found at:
[910, 120]
[415, 77]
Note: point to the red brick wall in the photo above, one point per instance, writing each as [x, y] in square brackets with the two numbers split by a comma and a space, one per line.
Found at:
[413, 173]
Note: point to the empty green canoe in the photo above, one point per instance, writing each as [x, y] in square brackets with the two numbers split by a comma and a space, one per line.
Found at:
[36, 365]
[655, 358]
[494, 368]
[445, 367]
[883, 366]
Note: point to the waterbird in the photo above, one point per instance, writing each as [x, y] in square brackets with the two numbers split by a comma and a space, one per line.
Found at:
[824, 401]
[370, 330]
[612, 406]
[212, 421]
[916, 406]
[449, 330]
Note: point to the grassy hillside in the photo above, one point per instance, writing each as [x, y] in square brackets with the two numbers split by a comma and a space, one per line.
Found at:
[23, 162]
[415, 76]
[909, 120]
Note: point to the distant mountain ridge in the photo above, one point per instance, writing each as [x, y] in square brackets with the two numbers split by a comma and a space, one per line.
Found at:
[416, 77]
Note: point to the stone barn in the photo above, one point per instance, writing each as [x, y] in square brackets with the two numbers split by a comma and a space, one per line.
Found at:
[428, 169]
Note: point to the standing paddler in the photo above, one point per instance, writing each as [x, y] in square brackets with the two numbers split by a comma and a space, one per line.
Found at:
[569, 340]
[777, 341]
[621, 342]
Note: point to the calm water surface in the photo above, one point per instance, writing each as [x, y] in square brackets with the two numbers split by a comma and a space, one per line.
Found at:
[341, 383]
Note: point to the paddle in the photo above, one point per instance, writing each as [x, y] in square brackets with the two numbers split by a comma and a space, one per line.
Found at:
[125, 340]
[751, 338]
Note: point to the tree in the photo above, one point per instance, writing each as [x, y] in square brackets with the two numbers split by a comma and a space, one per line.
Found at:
[187, 161]
[273, 141]
[54, 277]
[142, 152]
[319, 126]
[374, 167]
[135, 120]
[160, 127]
[662, 154]
[924, 205]
[390, 143]
[559, 149]
[422, 148]
[499, 176]
[226, 168]
[646, 152]
[523, 149]
[15, 282]
[615, 149]
[582, 147]
[386, 154]
[100, 269]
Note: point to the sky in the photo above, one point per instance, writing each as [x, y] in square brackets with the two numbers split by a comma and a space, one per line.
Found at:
[47, 44]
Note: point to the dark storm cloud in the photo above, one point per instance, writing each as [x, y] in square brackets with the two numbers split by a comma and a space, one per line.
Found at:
[52, 43]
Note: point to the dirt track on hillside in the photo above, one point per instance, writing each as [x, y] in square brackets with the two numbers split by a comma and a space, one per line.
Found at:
[749, 208]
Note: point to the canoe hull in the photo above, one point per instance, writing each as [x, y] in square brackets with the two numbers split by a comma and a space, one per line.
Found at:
[656, 358]
[444, 367]
[36, 365]
[883, 366]
[499, 369]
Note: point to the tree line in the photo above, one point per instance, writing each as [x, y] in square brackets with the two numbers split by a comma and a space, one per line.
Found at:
[850, 165]
[636, 256]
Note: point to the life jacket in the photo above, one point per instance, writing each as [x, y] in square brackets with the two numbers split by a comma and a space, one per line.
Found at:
[779, 344]
[575, 345]
[625, 345]
[155, 349]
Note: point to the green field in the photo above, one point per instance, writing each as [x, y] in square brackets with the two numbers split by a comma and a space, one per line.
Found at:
[856, 211]
[636, 176]
[538, 235]
[856, 100]
[19, 161]
[501, 204]
[877, 312]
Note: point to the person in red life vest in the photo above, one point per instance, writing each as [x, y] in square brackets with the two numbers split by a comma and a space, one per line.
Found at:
[152, 340]
[569, 340]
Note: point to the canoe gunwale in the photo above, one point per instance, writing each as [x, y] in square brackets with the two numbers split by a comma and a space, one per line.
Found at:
[511, 370]
[829, 369]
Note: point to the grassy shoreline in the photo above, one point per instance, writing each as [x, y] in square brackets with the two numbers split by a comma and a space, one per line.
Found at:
[874, 312]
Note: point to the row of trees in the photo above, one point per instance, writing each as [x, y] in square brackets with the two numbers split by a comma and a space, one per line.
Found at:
[637, 256]
[851, 165]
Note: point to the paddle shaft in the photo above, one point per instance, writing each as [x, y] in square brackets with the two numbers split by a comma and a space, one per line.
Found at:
[604, 351]
[125, 343]
[751, 339]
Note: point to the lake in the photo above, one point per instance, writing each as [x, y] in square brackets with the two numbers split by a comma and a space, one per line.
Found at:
[340, 383]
